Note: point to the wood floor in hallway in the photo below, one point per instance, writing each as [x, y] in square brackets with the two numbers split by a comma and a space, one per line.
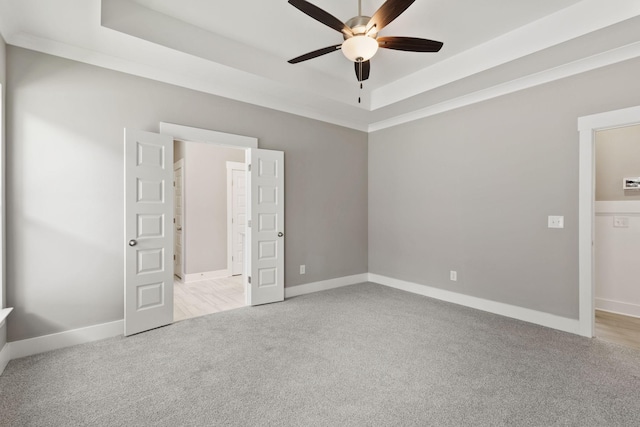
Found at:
[618, 329]
[207, 296]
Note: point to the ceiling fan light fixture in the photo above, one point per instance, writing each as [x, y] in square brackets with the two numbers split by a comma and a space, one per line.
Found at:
[359, 48]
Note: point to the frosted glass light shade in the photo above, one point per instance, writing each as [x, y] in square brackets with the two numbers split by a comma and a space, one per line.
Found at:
[359, 46]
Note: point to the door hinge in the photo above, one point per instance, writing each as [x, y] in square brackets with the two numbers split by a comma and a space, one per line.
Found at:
[249, 223]
[174, 220]
[249, 279]
[249, 168]
[174, 257]
[174, 183]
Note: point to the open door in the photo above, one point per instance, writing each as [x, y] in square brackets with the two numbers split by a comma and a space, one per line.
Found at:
[148, 242]
[266, 226]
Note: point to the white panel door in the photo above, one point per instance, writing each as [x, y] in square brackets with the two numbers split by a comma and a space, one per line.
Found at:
[239, 219]
[148, 284]
[178, 172]
[266, 193]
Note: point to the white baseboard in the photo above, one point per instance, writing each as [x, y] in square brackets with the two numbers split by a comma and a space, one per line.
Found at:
[5, 357]
[28, 347]
[325, 285]
[65, 339]
[194, 277]
[618, 307]
[515, 312]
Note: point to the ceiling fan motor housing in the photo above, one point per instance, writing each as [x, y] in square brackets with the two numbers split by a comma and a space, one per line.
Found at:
[358, 25]
[360, 34]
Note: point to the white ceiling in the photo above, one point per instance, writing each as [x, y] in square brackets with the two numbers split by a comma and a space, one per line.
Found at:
[239, 49]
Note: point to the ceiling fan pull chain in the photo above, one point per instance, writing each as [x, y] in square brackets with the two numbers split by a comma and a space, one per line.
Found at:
[360, 74]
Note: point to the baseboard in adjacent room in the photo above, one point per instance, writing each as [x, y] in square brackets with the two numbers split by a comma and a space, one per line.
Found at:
[507, 310]
[618, 307]
[44, 343]
[324, 285]
[194, 277]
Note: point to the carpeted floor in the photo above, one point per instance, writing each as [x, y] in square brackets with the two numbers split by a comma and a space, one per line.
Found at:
[363, 355]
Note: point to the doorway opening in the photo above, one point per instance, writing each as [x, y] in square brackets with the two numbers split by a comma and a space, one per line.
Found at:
[617, 235]
[209, 228]
[149, 228]
[588, 128]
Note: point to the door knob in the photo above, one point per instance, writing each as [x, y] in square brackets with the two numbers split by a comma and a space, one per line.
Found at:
[179, 228]
[280, 234]
[132, 242]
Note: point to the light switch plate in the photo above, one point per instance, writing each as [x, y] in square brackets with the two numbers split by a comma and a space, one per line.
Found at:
[556, 221]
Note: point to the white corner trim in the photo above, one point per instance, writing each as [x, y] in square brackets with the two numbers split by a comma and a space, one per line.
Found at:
[187, 133]
[65, 339]
[515, 312]
[5, 357]
[194, 277]
[324, 285]
[4, 313]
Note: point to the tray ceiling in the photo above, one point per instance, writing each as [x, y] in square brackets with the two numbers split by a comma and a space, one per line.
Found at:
[239, 49]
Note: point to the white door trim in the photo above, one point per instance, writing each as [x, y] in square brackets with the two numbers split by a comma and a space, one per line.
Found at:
[587, 126]
[231, 166]
[177, 165]
[188, 133]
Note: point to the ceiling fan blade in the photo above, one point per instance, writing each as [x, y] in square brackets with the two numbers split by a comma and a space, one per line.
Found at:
[362, 70]
[389, 11]
[315, 54]
[411, 44]
[320, 15]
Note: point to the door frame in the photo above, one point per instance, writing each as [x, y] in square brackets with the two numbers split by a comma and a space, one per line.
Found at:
[231, 166]
[179, 164]
[587, 127]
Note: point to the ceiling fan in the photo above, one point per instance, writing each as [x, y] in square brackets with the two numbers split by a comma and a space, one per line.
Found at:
[360, 34]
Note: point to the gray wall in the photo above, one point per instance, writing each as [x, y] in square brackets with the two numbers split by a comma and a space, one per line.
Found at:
[65, 240]
[205, 195]
[470, 190]
[617, 157]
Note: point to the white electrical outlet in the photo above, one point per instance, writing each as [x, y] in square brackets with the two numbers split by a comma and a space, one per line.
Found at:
[303, 269]
[621, 222]
[555, 221]
[453, 276]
